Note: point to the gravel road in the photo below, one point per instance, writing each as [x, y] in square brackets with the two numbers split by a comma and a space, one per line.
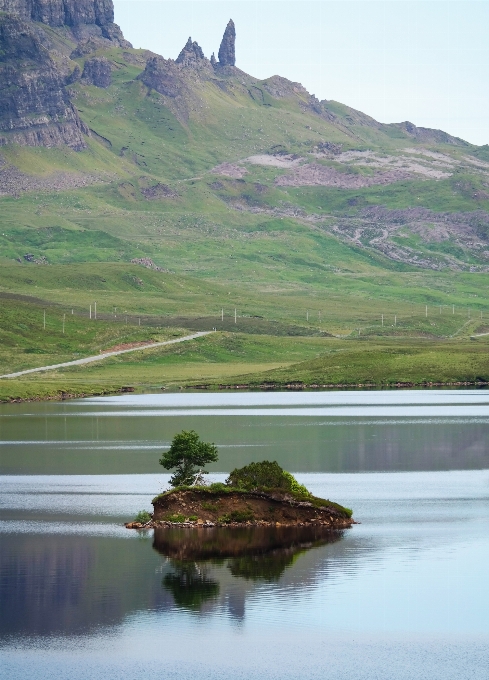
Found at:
[99, 357]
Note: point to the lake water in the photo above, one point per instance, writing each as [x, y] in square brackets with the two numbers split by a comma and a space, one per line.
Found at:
[402, 595]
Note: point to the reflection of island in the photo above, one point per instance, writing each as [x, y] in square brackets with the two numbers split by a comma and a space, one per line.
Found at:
[221, 542]
[54, 584]
[251, 553]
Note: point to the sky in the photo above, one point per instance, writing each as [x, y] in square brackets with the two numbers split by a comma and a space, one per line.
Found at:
[426, 61]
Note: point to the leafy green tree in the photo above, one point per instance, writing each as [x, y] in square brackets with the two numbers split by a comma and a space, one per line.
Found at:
[188, 454]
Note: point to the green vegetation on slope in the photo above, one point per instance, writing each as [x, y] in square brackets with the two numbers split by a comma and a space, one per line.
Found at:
[40, 334]
[384, 364]
[323, 291]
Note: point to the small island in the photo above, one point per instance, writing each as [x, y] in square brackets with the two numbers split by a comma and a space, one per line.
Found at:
[259, 494]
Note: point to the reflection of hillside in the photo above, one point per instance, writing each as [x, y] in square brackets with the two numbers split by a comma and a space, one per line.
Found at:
[333, 444]
[72, 585]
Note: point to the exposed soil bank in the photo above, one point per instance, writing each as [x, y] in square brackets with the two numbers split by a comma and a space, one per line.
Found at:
[205, 508]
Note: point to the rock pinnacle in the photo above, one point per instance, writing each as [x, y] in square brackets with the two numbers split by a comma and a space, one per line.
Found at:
[191, 54]
[227, 55]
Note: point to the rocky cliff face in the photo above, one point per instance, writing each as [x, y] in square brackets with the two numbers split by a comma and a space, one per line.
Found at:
[163, 76]
[97, 71]
[86, 18]
[35, 109]
[62, 12]
[227, 54]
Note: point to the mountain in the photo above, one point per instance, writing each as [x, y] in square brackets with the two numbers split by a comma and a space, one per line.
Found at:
[108, 153]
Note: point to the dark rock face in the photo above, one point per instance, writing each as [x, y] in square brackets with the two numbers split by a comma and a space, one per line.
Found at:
[19, 42]
[176, 83]
[113, 33]
[74, 76]
[35, 109]
[84, 17]
[97, 71]
[162, 75]
[227, 54]
[191, 54]
[62, 12]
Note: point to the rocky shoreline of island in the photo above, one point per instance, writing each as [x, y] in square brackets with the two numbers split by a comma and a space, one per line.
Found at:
[205, 508]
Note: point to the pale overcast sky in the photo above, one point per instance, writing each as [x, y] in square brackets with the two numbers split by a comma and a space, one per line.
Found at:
[426, 61]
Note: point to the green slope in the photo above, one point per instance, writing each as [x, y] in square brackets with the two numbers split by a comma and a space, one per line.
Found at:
[324, 221]
[145, 180]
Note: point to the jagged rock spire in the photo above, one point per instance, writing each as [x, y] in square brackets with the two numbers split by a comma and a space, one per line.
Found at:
[227, 55]
[191, 54]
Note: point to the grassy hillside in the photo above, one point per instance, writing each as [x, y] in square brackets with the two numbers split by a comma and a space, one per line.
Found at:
[280, 345]
[145, 186]
[407, 363]
[343, 243]
[38, 333]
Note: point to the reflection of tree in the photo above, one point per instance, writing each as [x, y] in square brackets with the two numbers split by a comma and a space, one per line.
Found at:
[250, 553]
[269, 567]
[190, 585]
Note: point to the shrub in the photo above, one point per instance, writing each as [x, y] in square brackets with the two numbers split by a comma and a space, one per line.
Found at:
[295, 487]
[218, 487]
[176, 519]
[210, 507]
[237, 516]
[143, 517]
[263, 476]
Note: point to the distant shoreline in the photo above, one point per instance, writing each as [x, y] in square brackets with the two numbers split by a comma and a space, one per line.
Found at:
[61, 395]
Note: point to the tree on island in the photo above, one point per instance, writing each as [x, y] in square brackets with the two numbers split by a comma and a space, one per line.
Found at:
[265, 475]
[188, 454]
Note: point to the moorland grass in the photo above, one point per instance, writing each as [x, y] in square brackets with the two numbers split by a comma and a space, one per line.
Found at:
[384, 364]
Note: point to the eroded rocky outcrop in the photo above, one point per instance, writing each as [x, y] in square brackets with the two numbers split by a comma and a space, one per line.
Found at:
[35, 69]
[191, 55]
[163, 76]
[176, 83]
[428, 135]
[97, 71]
[35, 108]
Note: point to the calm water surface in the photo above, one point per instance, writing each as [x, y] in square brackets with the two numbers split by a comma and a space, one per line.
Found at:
[402, 595]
